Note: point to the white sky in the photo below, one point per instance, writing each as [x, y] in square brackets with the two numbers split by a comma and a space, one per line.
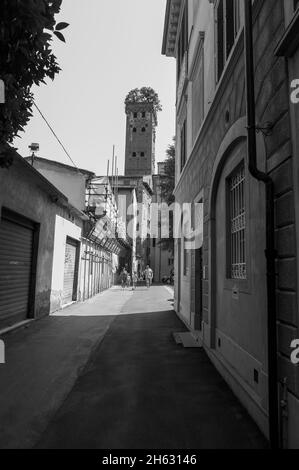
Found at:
[111, 47]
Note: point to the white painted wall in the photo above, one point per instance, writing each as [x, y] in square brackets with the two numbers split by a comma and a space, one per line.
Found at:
[63, 229]
[70, 182]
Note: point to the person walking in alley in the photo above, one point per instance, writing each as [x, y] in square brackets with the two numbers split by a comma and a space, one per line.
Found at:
[134, 280]
[148, 276]
[128, 282]
[123, 278]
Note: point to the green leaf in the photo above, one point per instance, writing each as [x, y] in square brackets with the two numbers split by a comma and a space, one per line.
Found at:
[61, 26]
[59, 35]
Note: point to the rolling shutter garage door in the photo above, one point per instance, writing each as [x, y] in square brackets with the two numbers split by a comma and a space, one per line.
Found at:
[70, 272]
[16, 252]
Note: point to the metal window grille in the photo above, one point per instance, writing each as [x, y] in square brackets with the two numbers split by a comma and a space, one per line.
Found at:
[238, 224]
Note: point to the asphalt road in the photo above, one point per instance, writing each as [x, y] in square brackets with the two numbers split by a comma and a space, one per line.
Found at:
[140, 390]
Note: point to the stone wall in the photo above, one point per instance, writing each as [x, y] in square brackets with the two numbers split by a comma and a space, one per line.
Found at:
[272, 105]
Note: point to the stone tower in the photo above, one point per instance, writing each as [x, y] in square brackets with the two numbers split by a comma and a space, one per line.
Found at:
[140, 139]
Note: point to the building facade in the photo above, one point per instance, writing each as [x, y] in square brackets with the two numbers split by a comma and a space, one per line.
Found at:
[106, 233]
[134, 196]
[85, 262]
[221, 287]
[69, 180]
[141, 181]
[161, 260]
[39, 244]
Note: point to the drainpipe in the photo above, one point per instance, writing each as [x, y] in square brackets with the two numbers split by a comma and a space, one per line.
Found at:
[270, 251]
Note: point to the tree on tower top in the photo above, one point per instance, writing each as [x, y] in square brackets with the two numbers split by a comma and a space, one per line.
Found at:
[145, 95]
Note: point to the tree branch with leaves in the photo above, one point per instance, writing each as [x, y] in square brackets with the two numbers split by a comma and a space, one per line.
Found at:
[27, 28]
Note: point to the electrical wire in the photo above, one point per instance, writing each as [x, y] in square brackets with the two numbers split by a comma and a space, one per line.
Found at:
[56, 137]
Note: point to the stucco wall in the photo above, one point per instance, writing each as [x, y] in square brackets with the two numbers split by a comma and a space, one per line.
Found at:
[63, 229]
[22, 192]
[71, 183]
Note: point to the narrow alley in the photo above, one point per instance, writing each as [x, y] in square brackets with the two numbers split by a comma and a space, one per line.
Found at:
[108, 374]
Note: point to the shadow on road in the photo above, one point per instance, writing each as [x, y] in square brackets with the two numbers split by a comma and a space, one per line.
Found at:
[142, 390]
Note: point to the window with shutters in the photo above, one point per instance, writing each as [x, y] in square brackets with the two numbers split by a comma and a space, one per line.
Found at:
[228, 23]
[183, 145]
[198, 95]
[182, 42]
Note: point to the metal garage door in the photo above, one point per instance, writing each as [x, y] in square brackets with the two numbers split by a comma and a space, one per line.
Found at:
[16, 253]
[70, 272]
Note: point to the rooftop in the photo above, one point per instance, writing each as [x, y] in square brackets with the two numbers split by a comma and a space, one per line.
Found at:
[61, 165]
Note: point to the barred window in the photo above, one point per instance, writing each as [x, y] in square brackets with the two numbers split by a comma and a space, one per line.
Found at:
[237, 220]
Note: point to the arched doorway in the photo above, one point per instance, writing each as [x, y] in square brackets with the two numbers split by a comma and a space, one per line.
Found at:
[238, 293]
